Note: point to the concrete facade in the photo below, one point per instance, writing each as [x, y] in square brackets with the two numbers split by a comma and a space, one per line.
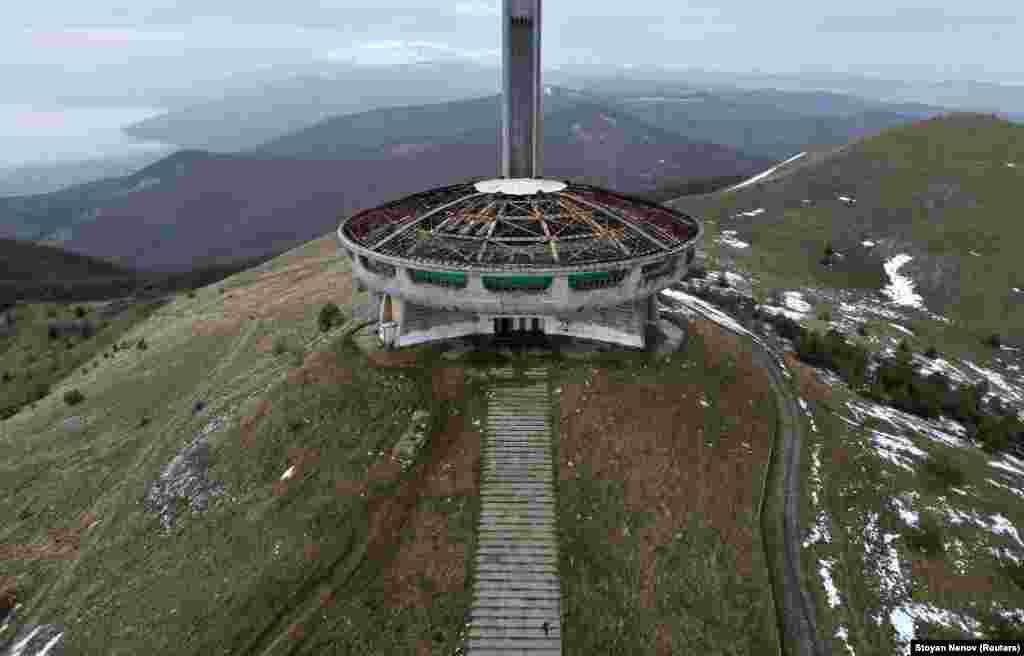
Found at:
[413, 313]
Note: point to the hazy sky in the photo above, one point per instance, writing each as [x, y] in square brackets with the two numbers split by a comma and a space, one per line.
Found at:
[48, 46]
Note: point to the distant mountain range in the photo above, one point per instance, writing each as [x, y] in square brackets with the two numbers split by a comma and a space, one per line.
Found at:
[197, 208]
[250, 115]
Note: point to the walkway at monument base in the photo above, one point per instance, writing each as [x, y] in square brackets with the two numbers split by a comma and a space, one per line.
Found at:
[517, 596]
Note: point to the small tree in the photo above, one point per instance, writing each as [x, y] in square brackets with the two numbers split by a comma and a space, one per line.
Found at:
[862, 330]
[80, 311]
[829, 251]
[142, 345]
[52, 332]
[330, 315]
[73, 397]
[7, 377]
[931, 353]
[994, 340]
[825, 315]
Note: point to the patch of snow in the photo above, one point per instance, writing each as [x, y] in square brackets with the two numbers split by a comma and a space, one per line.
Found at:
[1011, 165]
[869, 244]
[844, 635]
[825, 570]
[959, 517]
[547, 91]
[1002, 553]
[728, 238]
[933, 430]
[810, 415]
[905, 331]
[901, 288]
[819, 533]
[38, 642]
[909, 516]
[1017, 289]
[704, 404]
[1010, 392]
[761, 176]
[903, 617]
[955, 548]
[708, 310]
[752, 213]
[848, 200]
[1010, 464]
[975, 253]
[1012, 490]
[795, 301]
[608, 119]
[1001, 525]
[773, 310]
[288, 473]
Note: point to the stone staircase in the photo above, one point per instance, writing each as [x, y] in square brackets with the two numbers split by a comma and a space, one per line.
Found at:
[517, 597]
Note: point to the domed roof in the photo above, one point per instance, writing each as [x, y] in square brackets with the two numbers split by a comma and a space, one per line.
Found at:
[519, 224]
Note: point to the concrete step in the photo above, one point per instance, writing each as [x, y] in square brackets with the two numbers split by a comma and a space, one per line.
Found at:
[516, 615]
[492, 587]
[522, 567]
[512, 575]
[479, 646]
[498, 596]
[525, 630]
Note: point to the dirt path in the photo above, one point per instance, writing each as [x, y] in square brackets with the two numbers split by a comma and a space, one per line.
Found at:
[793, 602]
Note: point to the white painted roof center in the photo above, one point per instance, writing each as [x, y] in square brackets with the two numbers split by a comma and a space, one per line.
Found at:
[519, 186]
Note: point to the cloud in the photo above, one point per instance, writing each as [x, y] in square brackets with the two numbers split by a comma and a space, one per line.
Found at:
[400, 51]
[100, 37]
[910, 20]
[477, 8]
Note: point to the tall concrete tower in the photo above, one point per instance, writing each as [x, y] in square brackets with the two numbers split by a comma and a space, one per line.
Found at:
[521, 90]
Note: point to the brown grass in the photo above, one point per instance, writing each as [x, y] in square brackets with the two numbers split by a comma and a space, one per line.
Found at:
[285, 294]
[402, 359]
[247, 425]
[449, 383]
[940, 579]
[8, 595]
[429, 554]
[62, 543]
[651, 437]
[810, 387]
[452, 470]
[321, 368]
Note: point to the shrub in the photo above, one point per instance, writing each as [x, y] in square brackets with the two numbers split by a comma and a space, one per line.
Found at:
[904, 346]
[143, 421]
[80, 312]
[51, 331]
[51, 312]
[330, 316]
[220, 290]
[73, 397]
[931, 353]
[926, 538]
[191, 294]
[40, 391]
[943, 473]
[7, 377]
[829, 251]
[142, 345]
[994, 340]
[862, 330]
[281, 345]
[825, 315]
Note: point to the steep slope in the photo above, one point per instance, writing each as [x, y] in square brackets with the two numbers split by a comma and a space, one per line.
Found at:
[23, 261]
[941, 191]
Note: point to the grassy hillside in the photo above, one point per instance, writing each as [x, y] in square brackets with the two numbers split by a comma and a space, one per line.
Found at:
[940, 190]
[228, 488]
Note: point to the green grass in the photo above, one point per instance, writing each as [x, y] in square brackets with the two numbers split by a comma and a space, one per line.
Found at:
[862, 483]
[36, 362]
[900, 178]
